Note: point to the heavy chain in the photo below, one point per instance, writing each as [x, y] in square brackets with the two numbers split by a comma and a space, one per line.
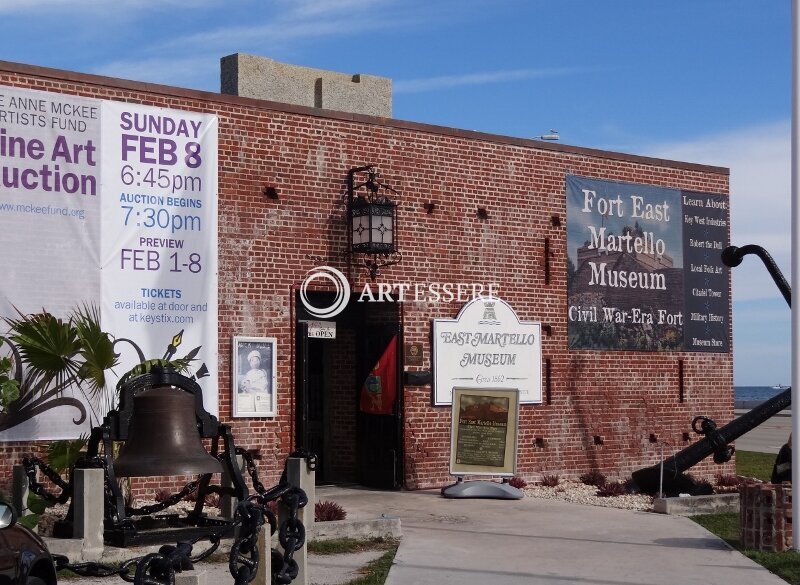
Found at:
[244, 557]
[188, 489]
[251, 514]
[31, 464]
[292, 533]
[160, 568]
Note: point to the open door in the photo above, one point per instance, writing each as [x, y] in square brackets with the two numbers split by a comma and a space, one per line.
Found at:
[379, 427]
[311, 404]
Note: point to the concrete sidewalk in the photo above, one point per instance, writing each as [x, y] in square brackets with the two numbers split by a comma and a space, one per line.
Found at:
[536, 541]
[530, 541]
[768, 436]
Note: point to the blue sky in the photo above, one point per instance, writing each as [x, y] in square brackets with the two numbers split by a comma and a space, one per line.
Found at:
[703, 81]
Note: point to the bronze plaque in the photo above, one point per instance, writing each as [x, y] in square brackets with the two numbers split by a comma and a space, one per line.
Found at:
[483, 437]
[413, 354]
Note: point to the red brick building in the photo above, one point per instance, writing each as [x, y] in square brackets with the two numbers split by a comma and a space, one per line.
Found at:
[600, 410]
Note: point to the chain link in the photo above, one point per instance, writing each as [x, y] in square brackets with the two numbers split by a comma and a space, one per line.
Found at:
[292, 533]
[31, 465]
[188, 489]
[250, 516]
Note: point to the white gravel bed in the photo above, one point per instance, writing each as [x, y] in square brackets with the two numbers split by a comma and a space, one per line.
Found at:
[59, 512]
[580, 493]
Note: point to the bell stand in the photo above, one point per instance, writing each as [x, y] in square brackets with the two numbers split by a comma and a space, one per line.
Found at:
[122, 530]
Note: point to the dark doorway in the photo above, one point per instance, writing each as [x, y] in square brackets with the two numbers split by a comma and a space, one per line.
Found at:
[352, 446]
[380, 455]
[311, 404]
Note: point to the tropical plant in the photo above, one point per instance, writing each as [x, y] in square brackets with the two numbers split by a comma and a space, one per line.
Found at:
[550, 480]
[611, 489]
[724, 480]
[9, 387]
[517, 482]
[328, 511]
[73, 352]
[61, 456]
[58, 354]
[594, 477]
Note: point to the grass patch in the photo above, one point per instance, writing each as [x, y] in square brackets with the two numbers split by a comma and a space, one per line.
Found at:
[785, 565]
[376, 572]
[758, 465]
[726, 526]
[349, 545]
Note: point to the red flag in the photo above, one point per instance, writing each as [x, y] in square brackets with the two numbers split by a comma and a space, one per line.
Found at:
[379, 390]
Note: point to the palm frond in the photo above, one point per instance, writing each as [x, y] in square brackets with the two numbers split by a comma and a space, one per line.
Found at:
[48, 346]
[97, 349]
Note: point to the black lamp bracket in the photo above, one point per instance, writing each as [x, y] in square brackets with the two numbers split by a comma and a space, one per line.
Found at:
[371, 190]
[372, 184]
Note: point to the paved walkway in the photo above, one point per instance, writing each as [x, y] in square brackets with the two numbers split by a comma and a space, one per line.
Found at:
[768, 436]
[534, 541]
[530, 541]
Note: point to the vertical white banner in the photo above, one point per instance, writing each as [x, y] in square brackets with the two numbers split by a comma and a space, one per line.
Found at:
[115, 205]
[159, 236]
[49, 200]
[50, 168]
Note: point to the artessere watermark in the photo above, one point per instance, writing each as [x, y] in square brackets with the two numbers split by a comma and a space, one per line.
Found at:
[401, 292]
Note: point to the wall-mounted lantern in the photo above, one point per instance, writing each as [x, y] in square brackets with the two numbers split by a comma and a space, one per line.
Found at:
[372, 221]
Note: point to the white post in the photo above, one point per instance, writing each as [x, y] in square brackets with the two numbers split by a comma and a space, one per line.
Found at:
[297, 475]
[264, 572]
[193, 577]
[795, 268]
[87, 497]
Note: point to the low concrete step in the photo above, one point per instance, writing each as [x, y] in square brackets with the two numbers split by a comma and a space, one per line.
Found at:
[693, 505]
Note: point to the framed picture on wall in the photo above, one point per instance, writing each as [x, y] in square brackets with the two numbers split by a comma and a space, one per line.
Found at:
[254, 377]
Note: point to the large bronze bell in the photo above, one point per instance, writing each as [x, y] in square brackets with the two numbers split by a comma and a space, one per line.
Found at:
[163, 438]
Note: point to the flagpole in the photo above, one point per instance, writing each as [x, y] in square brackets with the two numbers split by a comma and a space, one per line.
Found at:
[795, 267]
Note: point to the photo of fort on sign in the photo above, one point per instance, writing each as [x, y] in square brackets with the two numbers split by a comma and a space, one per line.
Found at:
[644, 268]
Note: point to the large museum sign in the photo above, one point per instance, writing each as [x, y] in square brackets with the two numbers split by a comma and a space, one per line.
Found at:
[487, 346]
[644, 267]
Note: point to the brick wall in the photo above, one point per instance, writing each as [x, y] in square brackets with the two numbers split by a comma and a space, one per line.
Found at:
[622, 396]
[765, 516]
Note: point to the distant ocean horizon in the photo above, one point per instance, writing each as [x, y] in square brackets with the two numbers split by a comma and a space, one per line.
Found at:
[741, 393]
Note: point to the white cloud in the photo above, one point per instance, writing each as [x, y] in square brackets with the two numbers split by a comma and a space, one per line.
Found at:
[262, 35]
[179, 72]
[309, 8]
[760, 191]
[759, 159]
[484, 78]
[278, 24]
[303, 19]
